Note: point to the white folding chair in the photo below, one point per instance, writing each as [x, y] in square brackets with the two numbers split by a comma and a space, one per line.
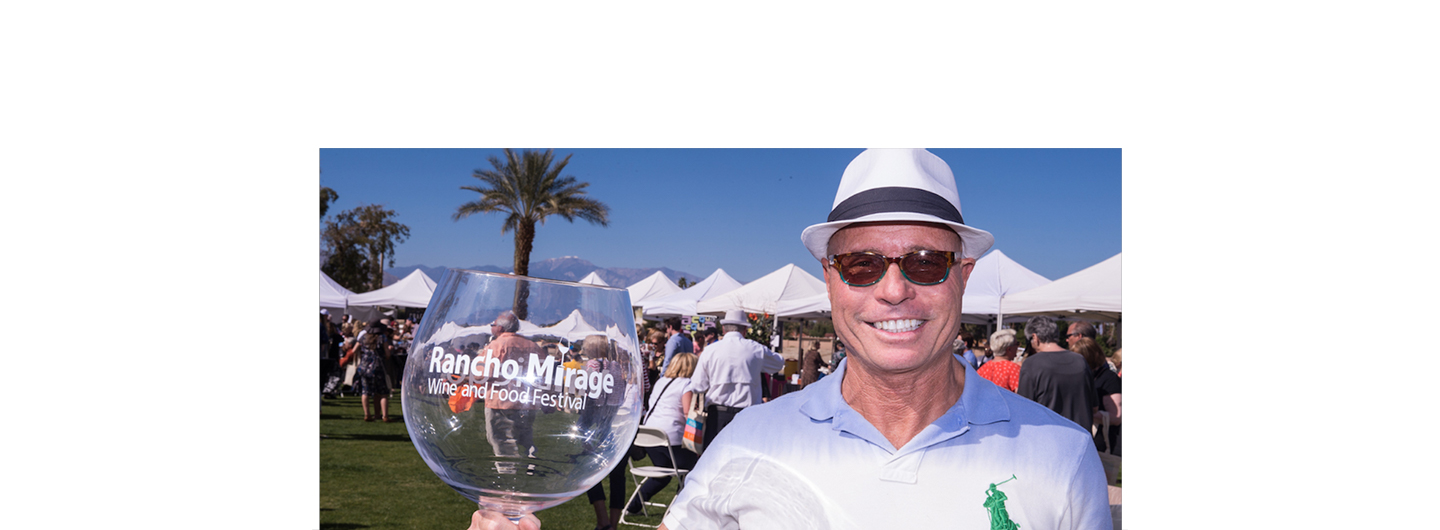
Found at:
[651, 437]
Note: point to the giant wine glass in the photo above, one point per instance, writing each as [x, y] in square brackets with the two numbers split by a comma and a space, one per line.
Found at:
[521, 393]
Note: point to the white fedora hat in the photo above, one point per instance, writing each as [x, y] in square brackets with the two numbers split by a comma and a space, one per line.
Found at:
[896, 185]
[735, 317]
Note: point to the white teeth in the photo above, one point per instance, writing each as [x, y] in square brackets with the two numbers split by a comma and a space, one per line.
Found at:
[898, 326]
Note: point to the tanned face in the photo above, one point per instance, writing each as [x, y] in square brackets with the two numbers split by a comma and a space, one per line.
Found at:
[896, 326]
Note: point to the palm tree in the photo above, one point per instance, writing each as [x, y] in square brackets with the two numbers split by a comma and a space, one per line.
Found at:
[530, 189]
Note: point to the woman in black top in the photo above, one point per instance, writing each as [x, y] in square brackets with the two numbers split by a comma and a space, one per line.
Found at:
[1107, 388]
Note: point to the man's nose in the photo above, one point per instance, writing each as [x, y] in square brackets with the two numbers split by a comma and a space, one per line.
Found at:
[894, 288]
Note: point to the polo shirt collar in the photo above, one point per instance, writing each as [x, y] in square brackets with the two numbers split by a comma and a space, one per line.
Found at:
[980, 403]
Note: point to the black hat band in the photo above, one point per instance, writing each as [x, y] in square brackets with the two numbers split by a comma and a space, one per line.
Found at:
[894, 199]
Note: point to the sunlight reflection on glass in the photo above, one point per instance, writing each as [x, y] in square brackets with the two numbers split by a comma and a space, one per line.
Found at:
[518, 431]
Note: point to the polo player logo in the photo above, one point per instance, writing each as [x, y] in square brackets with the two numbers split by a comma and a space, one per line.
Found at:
[995, 502]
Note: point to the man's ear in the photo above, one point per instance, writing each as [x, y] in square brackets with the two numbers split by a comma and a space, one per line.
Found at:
[966, 265]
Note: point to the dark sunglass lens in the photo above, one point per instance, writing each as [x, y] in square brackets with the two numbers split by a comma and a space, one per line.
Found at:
[925, 267]
[860, 269]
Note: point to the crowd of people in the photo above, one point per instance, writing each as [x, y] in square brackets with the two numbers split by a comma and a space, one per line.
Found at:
[659, 345]
[1077, 381]
[366, 357]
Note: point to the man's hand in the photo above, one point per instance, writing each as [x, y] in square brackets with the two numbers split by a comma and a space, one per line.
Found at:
[488, 520]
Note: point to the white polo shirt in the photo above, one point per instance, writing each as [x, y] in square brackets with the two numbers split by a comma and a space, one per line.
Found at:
[808, 460]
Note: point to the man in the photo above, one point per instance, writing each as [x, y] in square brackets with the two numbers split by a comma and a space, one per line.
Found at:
[904, 435]
[1002, 370]
[678, 342]
[729, 373]
[709, 336]
[1076, 331]
[962, 348]
[509, 425]
[982, 353]
[1056, 377]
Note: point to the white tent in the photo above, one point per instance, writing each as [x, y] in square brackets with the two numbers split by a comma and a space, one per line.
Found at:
[624, 341]
[573, 327]
[451, 331]
[765, 294]
[810, 307]
[1092, 294]
[593, 279]
[414, 290]
[654, 286]
[682, 303]
[994, 277]
[333, 295]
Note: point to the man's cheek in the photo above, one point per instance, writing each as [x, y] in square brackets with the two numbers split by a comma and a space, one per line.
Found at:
[847, 335]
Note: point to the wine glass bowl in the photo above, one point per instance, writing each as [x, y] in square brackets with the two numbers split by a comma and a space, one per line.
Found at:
[521, 393]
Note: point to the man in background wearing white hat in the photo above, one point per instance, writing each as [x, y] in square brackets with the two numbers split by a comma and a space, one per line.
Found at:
[903, 434]
[729, 374]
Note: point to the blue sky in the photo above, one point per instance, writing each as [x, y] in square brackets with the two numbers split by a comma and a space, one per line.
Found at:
[1056, 211]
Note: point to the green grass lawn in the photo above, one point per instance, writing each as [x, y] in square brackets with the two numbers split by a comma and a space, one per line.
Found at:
[371, 477]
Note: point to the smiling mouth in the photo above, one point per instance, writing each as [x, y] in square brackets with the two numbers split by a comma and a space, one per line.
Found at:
[898, 326]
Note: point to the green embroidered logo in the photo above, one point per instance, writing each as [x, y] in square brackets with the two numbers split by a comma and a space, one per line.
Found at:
[995, 502]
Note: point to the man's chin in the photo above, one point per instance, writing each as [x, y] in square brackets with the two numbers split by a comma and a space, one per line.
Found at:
[899, 361]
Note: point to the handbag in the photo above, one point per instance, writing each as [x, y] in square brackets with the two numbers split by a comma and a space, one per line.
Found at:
[695, 424]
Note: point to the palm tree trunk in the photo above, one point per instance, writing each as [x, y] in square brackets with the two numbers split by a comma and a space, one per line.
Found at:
[524, 243]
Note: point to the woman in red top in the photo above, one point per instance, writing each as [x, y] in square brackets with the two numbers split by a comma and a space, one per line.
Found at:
[1002, 370]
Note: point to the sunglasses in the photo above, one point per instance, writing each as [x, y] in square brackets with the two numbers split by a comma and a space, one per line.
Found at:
[922, 267]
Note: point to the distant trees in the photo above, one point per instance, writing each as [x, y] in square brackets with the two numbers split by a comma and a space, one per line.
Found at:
[327, 196]
[358, 243]
[529, 188]
[819, 327]
[683, 283]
